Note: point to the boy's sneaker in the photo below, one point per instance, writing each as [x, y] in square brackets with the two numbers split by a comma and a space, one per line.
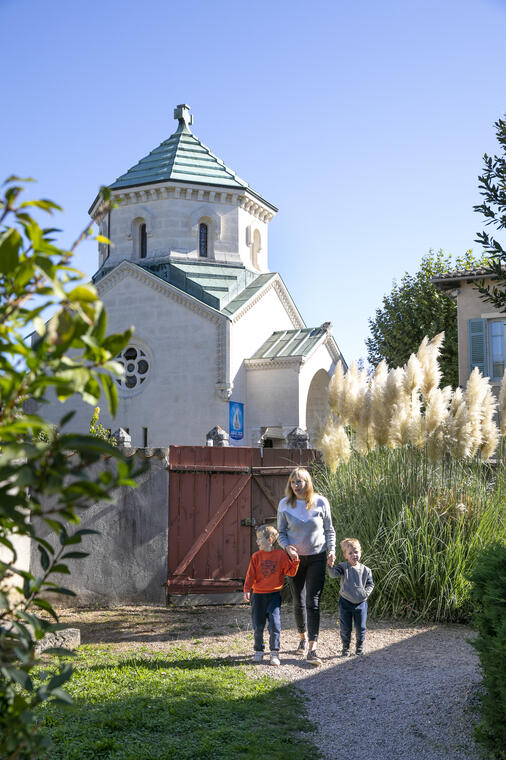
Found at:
[258, 657]
[313, 658]
[345, 652]
[302, 648]
[274, 659]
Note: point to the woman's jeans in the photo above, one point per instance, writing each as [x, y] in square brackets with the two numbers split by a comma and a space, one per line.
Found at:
[266, 607]
[350, 613]
[306, 588]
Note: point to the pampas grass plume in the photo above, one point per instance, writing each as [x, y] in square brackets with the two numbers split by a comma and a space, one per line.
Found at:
[336, 386]
[489, 430]
[476, 390]
[413, 375]
[335, 446]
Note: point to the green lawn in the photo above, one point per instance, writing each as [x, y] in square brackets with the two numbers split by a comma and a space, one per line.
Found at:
[176, 704]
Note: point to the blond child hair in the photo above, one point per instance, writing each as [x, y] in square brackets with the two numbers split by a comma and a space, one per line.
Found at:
[350, 543]
[267, 531]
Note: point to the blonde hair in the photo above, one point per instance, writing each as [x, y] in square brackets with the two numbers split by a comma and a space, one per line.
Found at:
[299, 472]
[350, 543]
[267, 531]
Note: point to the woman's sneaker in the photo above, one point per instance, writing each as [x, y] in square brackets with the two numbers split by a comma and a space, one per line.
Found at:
[302, 648]
[313, 658]
[258, 657]
[274, 659]
[345, 652]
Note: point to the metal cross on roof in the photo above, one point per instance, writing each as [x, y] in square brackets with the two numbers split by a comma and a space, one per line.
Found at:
[182, 113]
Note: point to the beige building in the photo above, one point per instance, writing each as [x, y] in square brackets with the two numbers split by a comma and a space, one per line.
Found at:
[481, 327]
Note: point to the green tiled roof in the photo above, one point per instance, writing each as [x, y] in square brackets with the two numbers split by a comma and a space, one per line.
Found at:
[248, 292]
[224, 287]
[181, 158]
[215, 285]
[290, 343]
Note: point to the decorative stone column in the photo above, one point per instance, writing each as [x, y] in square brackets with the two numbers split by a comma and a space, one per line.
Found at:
[123, 438]
[297, 439]
[218, 436]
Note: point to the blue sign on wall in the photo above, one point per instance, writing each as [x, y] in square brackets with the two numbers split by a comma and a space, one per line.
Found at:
[236, 420]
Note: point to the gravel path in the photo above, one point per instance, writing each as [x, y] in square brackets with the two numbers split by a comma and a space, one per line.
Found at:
[412, 695]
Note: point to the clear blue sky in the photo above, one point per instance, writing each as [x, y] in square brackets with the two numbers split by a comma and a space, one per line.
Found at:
[365, 122]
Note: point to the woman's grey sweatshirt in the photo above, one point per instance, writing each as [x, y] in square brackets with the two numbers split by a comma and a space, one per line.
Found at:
[356, 581]
[309, 530]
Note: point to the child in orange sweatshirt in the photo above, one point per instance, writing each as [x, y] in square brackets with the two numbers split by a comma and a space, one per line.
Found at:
[263, 584]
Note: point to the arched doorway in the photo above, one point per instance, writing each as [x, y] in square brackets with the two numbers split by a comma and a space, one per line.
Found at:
[317, 399]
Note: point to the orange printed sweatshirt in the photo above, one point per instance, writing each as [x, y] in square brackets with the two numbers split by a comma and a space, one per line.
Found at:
[267, 570]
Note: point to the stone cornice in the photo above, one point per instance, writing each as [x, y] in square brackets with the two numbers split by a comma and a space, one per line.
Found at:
[197, 193]
[276, 284]
[127, 269]
[333, 349]
[280, 362]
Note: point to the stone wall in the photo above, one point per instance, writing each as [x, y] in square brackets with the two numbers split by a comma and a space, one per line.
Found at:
[128, 560]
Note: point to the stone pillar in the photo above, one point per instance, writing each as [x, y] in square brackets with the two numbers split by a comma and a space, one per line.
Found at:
[123, 438]
[297, 439]
[218, 436]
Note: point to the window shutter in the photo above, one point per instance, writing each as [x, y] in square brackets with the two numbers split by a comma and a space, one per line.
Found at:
[478, 345]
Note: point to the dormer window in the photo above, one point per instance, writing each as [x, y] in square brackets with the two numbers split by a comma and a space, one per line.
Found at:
[143, 241]
[203, 239]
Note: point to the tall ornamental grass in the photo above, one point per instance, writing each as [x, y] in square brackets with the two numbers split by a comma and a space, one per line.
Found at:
[404, 406]
[407, 474]
[422, 526]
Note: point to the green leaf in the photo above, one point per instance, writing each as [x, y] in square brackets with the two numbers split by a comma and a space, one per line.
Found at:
[10, 243]
[44, 558]
[60, 568]
[43, 204]
[111, 392]
[75, 555]
[20, 677]
[43, 604]
[61, 696]
[83, 293]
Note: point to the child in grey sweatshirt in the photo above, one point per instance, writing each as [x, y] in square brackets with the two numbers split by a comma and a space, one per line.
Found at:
[356, 586]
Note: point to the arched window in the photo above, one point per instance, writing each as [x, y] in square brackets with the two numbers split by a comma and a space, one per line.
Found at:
[257, 245]
[203, 239]
[143, 241]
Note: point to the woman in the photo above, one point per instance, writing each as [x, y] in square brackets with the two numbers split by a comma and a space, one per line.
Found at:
[306, 531]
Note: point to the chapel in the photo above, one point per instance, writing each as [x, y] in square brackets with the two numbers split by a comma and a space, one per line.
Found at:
[218, 339]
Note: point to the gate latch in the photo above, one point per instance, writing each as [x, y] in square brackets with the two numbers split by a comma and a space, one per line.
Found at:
[249, 522]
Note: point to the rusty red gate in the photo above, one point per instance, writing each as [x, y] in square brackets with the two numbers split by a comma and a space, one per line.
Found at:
[216, 497]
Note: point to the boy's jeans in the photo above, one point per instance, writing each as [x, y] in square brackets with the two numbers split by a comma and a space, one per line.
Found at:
[352, 613]
[266, 607]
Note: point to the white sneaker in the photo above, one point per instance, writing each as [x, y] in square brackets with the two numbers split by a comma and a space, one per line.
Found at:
[258, 657]
[274, 659]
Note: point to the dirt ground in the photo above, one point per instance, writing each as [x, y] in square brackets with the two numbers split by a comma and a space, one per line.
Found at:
[224, 629]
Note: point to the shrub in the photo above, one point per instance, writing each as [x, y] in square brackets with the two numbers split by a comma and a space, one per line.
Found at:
[421, 524]
[40, 290]
[489, 595]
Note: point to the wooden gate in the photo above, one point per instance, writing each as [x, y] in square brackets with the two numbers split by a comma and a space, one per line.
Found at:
[216, 497]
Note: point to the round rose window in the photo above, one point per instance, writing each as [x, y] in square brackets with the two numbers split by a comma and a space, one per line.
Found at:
[136, 365]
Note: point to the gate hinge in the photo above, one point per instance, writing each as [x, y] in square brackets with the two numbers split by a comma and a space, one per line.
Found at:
[249, 522]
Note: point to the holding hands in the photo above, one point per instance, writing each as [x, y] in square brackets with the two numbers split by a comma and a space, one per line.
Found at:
[292, 552]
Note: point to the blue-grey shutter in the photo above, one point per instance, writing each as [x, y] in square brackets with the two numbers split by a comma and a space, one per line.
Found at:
[478, 345]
